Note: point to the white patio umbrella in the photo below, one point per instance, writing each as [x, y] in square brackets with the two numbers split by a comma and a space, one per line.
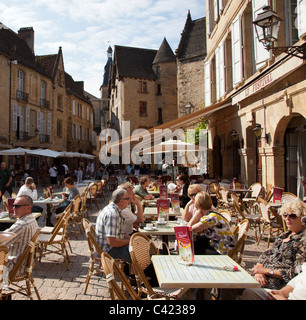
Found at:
[46, 153]
[171, 146]
[14, 152]
[71, 154]
[77, 155]
[87, 156]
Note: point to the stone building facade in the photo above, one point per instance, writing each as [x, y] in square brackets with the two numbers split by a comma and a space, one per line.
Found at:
[255, 91]
[190, 55]
[142, 87]
[37, 99]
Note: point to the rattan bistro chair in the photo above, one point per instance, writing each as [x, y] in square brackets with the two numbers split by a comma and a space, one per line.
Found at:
[271, 221]
[3, 263]
[95, 267]
[95, 251]
[241, 230]
[55, 242]
[242, 213]
[22, 271]
[224, 202]
[111, 270]
[287, 197]
[92, 195]
[76, 214]
[141, 249]
[50, 230]
[251, 197]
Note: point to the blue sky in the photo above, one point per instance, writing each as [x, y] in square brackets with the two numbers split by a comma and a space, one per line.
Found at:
[85, 28]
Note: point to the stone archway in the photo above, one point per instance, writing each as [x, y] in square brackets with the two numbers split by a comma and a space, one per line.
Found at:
[290, 168]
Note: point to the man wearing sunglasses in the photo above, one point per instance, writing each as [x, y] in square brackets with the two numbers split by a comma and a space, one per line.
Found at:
[24, 227]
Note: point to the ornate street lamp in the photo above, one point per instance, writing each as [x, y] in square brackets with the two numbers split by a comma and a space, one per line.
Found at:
[258, 132]
[234, 135]
[267, 25]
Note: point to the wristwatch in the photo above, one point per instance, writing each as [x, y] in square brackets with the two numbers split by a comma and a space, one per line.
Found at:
[271, 272]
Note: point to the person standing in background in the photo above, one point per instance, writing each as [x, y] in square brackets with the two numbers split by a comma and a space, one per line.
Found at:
[6, 180]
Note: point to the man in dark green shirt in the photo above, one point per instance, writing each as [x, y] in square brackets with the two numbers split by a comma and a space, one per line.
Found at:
[5, 180]
[141, 189]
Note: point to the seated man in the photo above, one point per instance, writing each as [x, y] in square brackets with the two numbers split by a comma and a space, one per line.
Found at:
[141, 189]
[131, 219]
[25, 228]
[29, 189]
[111, 236]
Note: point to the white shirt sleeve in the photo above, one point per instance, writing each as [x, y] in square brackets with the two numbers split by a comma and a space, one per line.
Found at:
[298, 284]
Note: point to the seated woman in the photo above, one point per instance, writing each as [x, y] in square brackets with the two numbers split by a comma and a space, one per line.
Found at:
[281, 263]
[73, 192]
[217, 237]
[190, 208]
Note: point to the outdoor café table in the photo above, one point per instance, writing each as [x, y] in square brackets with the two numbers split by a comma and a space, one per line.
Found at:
[6, 236]
[205, 272]
[163, 230]
[6, 221]
[154, 192]
[152, 211]
[49, 202]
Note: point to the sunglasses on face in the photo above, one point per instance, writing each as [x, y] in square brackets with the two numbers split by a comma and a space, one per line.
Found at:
[16, 206]
[192, 194]
[291, 215]
[125, 199]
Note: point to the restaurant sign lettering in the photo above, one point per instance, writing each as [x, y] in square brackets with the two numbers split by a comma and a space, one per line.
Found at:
[259, 85]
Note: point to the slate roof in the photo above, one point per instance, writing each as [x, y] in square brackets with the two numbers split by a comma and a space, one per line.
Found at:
[134, 62]
[193, 39]
[165, 53]
[14, 47]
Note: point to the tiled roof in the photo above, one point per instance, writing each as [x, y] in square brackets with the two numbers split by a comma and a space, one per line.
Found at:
[134, 62]
[193, 40]
[48, 63]
[75, 87]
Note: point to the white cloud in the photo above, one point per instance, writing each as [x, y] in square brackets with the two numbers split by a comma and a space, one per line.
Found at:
[85, 29]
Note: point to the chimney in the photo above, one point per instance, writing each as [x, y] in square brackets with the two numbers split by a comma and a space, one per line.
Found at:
[27, 34]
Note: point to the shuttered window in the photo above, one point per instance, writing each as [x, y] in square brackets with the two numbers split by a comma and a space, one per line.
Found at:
[207, 84]
[237, 51]
[261, 54]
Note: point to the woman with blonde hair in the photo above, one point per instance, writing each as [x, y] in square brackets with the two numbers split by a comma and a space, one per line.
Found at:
[281, 263]
[217, 238]
[190, 208]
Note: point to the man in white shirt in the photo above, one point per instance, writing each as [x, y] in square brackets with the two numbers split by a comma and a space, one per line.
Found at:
[24, 228]
[131, 220]
[29, 189]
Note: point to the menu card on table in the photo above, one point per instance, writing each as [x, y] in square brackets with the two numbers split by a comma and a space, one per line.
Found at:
[163, 191]
[185, 246]
[175, 202]
[163, 209]
[277, 194]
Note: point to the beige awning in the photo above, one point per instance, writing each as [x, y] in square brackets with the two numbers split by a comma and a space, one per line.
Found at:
[144, 139]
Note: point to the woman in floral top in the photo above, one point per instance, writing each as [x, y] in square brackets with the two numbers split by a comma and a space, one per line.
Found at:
[217, 237]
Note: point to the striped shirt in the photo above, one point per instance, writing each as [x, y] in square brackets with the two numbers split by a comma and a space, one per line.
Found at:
[25, 229]
[109, 223]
